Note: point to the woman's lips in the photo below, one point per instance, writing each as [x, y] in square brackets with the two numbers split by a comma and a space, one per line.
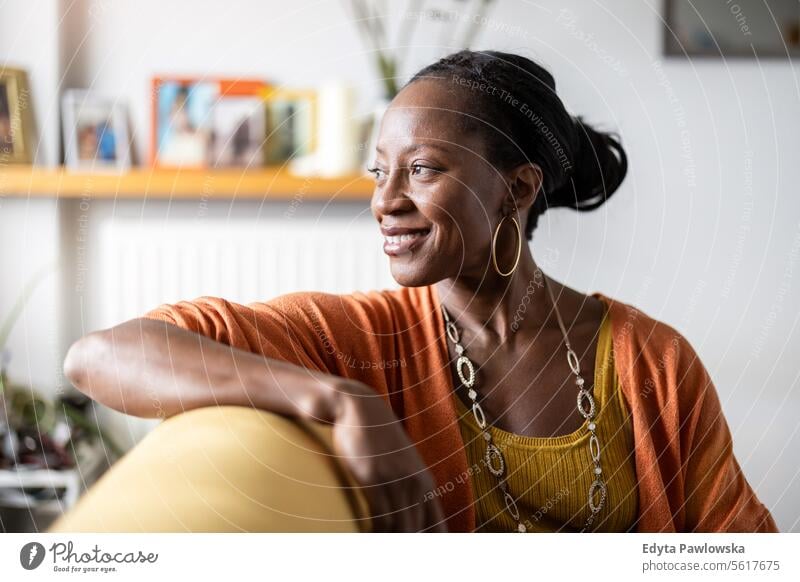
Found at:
[398, 245]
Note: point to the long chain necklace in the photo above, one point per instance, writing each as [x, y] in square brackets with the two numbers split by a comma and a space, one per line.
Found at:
[494, 457]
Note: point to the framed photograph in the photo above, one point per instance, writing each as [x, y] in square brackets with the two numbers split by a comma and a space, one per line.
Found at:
[95, 132]
[201, 122]
[291, 116]
[16, 122]
[745, 28]
[238, 129]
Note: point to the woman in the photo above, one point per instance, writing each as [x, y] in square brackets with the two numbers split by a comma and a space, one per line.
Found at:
[479, 359]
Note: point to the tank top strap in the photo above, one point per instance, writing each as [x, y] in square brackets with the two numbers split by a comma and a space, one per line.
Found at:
[604, 371]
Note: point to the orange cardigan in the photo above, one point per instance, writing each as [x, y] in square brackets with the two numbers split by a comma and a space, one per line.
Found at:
[393, 340]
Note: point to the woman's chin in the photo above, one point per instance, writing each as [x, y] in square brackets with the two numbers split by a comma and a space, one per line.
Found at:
[410, 275]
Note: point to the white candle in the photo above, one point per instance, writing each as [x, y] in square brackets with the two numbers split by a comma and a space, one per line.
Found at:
[337, 147]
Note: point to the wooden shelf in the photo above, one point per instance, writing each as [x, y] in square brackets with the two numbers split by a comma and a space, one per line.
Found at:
[23, 181]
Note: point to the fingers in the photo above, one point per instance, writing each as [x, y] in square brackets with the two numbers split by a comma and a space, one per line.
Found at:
[394, 509]
[413, 514]
[421, 508]
[399, 507]
[380, 509]
[404, 516]
[418, 513]
[435, 521]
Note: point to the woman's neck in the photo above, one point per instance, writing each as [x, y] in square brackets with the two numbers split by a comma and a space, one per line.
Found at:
[499, 306]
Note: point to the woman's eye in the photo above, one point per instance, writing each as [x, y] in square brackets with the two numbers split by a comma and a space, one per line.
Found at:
[417, 169]
[377, 172]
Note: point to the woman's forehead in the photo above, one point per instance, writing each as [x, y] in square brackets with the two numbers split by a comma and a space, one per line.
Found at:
[408, 130]
[435, 94]
[419, 122]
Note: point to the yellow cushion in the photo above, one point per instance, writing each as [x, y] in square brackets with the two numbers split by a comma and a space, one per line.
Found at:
[226, 468]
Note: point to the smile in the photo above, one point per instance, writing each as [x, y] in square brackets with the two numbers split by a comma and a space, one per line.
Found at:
[403, 243]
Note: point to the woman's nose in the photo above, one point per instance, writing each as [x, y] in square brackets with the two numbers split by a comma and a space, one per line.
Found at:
[391, 196]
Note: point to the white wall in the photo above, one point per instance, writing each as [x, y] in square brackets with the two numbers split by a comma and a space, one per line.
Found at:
[29, 229]
[704, 234]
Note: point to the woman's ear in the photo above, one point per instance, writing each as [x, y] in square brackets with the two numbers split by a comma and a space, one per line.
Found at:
[525, 183]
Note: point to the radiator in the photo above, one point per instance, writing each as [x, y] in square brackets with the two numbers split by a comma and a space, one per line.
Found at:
[144, 263]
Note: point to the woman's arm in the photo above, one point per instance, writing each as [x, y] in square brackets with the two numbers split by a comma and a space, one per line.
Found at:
[150, 368]
[154, 369]
[718, 496]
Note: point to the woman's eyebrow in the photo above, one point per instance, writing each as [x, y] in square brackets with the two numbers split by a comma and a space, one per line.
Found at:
[445, 147]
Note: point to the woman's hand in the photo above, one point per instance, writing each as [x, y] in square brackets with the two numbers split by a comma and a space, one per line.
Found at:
[370, 440]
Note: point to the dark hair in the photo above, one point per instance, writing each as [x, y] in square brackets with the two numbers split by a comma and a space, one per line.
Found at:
[512, 101]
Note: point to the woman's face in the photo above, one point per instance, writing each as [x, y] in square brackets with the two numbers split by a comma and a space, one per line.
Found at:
[434, 183]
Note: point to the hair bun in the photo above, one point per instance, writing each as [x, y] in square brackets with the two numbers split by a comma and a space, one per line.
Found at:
[598, 166]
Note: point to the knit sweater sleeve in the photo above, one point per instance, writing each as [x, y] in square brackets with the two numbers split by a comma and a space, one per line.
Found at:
[335, 334]
[718, 497]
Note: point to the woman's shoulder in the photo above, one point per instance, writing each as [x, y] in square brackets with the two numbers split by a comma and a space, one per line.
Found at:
[372, 302]
[653, 354]
[635, 325]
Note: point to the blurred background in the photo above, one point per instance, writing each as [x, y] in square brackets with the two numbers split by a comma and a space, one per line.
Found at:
[157, 151]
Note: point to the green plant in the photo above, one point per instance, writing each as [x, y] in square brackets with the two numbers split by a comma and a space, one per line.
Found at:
[79, 419]
[26, 411]
[11, 319]
[15, 411]
[371, 20]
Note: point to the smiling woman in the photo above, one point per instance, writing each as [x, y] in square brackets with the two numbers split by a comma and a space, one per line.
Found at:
[495, 412]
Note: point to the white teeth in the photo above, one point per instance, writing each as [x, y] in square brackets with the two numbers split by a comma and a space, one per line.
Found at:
[397, 239]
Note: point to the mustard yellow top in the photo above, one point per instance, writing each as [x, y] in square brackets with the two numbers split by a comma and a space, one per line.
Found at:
[549, 477]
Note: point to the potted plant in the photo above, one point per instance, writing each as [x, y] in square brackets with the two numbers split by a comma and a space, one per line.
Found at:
[372, 21]
[37, 432]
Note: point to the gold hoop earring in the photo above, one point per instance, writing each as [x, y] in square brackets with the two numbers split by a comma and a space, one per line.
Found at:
[494, 246]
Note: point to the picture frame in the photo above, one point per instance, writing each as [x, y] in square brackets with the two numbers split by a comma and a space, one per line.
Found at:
[745, 29]
[95, 129]
[17, 140]
[292, 124]
[201, 122]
